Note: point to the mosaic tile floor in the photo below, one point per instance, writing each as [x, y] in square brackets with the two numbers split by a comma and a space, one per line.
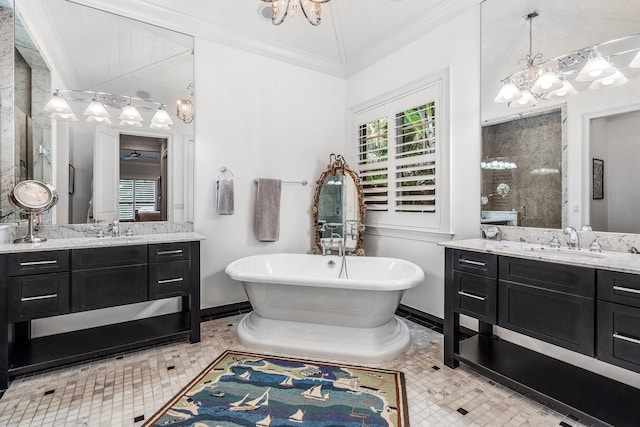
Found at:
[126, 389]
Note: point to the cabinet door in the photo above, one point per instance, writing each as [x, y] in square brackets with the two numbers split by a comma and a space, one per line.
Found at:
[39, 295]
[476, 296]
[108, 287]
[169, 279]
[619, 335]
[556, 317]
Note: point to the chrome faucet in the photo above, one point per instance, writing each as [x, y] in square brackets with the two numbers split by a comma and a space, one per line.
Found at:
[573, 241]
[340, 243]
[114, 228]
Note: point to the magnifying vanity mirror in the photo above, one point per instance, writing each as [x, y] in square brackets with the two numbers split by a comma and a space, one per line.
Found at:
[546, 149]
[82, 54]
[338, 210]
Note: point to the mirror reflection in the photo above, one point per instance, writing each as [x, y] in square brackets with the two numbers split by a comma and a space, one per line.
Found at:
[521, 42]
[105, 161]
[338, 210]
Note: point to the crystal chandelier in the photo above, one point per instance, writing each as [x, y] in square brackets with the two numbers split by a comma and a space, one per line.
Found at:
[280, 9]
[551, 79]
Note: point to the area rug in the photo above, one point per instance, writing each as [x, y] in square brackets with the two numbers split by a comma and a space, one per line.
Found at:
[245, 389]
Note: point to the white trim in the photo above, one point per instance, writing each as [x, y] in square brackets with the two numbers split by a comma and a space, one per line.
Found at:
[409, 233]
[443, 165]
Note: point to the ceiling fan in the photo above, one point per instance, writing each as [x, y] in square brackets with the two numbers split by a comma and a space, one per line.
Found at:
[134, 155]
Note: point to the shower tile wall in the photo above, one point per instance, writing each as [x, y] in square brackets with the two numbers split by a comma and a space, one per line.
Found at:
[534, 144]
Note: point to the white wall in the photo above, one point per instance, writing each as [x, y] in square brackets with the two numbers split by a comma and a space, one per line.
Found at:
[258, 117]
[454, 45]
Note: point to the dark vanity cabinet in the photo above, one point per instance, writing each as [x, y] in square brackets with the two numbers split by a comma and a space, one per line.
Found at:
[586, 310]
[618, 312]
[36, 285]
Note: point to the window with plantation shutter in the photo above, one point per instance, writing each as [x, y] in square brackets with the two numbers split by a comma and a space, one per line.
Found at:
[400, 159]
[136, 195]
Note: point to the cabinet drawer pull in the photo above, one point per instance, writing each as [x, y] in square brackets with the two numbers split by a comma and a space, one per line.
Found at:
[39, 297]
[174, 252]
[179, 279]
[464, 294]
[625, 338]
[630, 290]
[29, 263]
[471, 262]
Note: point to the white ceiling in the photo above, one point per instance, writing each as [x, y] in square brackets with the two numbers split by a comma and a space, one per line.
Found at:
[98, 51]
[94, 50]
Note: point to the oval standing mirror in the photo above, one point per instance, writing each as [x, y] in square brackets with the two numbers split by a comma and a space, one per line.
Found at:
[338, 210]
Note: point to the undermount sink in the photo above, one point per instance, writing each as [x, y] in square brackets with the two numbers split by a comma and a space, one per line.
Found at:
[565, 252]
[106, 240]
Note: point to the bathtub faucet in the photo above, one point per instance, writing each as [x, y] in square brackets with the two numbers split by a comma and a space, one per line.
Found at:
[335, 242]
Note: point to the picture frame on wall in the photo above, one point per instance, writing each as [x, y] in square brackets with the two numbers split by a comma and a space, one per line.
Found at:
[598, 179]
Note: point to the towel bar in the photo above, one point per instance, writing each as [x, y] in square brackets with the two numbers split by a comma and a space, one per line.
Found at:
[303, 182]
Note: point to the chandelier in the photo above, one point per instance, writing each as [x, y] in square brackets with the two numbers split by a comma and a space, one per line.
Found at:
[551, 79]
[280, 9]
[97, 113]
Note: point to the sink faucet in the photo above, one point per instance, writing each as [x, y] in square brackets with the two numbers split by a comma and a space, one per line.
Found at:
[114, 228]
[573, 241]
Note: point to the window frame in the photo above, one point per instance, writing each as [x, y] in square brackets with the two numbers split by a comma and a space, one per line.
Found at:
[433, 88]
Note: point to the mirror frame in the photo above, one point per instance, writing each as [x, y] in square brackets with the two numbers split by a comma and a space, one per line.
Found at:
[338, 164]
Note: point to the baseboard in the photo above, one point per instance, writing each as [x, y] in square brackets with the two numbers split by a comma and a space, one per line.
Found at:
[428, 320]
[225, 311]
[420, 317]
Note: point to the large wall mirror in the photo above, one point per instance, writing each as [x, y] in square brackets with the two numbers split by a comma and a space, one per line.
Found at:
[120, 168]
[556, 159]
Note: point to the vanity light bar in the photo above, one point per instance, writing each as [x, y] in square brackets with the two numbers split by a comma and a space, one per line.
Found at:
[160, 120]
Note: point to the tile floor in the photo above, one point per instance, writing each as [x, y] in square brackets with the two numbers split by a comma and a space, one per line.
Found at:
[125, 389]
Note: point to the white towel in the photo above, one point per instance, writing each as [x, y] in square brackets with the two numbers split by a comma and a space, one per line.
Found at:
[268, 210]
[224, 197]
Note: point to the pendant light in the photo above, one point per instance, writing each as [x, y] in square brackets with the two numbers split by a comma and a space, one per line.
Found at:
[130, 114]
[57, 104]
[596, 68]
[526, 100]
[613, 80]
[98, 121]
[509, 92]
[161, 117]
[565, 91]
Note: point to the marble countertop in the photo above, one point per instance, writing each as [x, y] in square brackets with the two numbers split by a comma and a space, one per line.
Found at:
[605, 260]
[94, 242]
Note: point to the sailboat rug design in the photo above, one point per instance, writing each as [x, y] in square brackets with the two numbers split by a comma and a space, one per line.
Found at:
[246, 389]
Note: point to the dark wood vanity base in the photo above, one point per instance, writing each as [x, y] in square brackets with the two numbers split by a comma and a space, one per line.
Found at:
[77, 280]
[471, 280]
[593, 398]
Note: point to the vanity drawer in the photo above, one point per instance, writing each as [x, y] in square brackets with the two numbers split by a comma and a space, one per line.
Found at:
[169, 279]
[619, 335]
[475, 262]
[38, 262]
[169, 252]
[113, 256]
[476, 296]
[38, 295]
[108, 287]
[556, 317]
[547, 275]
[623, 288]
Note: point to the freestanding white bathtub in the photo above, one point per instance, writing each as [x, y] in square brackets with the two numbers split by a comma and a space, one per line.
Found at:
[301, 306]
